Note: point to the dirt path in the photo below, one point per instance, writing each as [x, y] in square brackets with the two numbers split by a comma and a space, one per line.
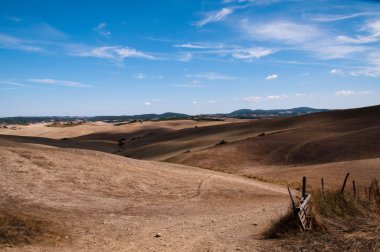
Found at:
[112, 203]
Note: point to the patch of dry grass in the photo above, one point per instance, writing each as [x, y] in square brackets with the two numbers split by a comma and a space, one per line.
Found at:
[19, 227]
[341, 222]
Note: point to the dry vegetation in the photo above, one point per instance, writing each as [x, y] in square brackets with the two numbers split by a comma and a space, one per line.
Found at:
[18, 226]
[341, 222]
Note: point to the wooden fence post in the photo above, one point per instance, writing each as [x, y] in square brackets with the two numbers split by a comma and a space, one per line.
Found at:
[293, 203]
[304, 187]
[354, 187]
[344, 183]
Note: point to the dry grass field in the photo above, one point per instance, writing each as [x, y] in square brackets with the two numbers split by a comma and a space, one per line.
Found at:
[173, 185]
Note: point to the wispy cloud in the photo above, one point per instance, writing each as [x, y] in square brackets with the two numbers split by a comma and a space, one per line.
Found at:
[350, 92]
[11, 42]
[13, 83]
[252, 99]
[59, 82]
[192, 84]
[212, 76]
[251, 53]
[116, 53]
[337, 72]
[285, 31]
[303, 37]
[272, 77]
[276, 97]
[215, 16]
[333, 18]
[101, 29]
[199, 45]
[371, 34]
[372, 69]
[344, 92]
[265, 98]
[151, 102]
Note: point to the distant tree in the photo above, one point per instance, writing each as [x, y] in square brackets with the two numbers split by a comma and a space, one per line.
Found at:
[121, 143]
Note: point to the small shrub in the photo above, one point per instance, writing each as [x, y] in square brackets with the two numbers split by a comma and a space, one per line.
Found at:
[222, 142]
[261, 134]
[283, 226]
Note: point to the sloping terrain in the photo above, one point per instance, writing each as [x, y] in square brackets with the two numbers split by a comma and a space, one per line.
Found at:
[329, 145]
[337, 136]
[108, 202]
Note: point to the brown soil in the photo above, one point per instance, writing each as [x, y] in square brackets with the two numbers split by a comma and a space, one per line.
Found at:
[115, 203]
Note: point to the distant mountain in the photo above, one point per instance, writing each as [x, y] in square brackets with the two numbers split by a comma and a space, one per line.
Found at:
[167, 115]
[259, 113]
[241, 113]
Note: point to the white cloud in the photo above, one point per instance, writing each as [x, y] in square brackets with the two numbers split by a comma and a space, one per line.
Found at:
[252, 53]
[300, 95]
[10, 42]
[215, 16]
[13, 83]
[192, 84]
[276, 97]
[253, 99]
[214, 76]
[333, 18]
[372, 69]
[191, 46]
[336, 72]
[329, 50]
[117, 53]
[151, 102]
[271, 77]
[200, 45]
[309, 38]
[345, 92]
[101, 29]
[59, 82]
[350, 92]
[284, 31]
[372, 34]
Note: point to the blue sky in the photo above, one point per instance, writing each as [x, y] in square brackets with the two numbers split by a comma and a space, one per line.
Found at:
[132, 57]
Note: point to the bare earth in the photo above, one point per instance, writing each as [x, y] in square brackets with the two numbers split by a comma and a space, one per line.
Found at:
[120, 204]
[195, 199]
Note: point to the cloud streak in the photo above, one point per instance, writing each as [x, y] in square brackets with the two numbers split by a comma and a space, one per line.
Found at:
[65, 83]
[215, 16]
[10, 42]
[101, 29]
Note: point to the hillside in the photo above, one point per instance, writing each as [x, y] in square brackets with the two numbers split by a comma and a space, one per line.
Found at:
[322, 138]
[102, 201]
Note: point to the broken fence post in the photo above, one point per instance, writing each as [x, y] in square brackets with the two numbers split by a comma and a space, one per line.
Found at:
[292, 200]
